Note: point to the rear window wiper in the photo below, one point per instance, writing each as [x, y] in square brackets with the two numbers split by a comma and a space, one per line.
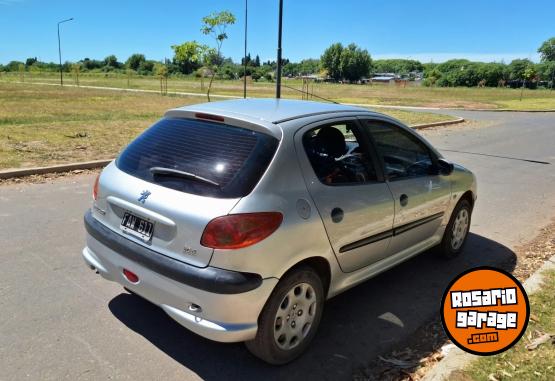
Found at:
[162, 171]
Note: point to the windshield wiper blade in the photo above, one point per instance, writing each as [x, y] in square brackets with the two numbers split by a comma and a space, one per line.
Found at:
[177, 173]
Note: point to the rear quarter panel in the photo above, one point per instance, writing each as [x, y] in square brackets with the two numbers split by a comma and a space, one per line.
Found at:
[301, 234]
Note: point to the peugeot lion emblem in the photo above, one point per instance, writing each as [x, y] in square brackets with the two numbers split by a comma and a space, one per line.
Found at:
[144, 196]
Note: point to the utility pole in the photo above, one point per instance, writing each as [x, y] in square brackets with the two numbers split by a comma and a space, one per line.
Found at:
[60, 51]
[245, 56]
[278, 71]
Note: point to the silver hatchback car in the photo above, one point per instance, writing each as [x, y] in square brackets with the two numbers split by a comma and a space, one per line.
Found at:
[240, 218]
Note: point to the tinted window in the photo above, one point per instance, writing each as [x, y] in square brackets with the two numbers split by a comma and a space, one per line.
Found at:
[336, 155]
[404, 156]
[227, 161]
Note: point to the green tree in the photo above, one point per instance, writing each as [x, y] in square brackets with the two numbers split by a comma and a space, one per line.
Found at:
[30, 61]
[89, 64]
[398, 66]
[247, 59]
[331, 60]
[546, 71]
[547, 50]
[146, 67]
[355, 63]
[529, 73]
[13, 65]
[135, 61]
[215, 25]
[491, 72]
[256, 75]
[189, 56]
[309, 66]
[160, 70]
[517, 68]
[112, 62]
[291, 69]
[432, 76]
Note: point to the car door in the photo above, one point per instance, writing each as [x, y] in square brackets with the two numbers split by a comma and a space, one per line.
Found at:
[420, 193]
[354, 202]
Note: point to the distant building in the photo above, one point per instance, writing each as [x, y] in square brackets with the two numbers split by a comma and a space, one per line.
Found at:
[312, 77]
[380, 77]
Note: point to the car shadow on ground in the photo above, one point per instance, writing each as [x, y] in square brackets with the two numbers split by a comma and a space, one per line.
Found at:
[357, 325]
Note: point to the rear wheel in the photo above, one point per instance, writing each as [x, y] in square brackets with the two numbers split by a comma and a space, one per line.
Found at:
[456, 231]
[290, 317]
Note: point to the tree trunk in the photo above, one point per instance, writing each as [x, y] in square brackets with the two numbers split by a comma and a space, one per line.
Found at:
[210, 85]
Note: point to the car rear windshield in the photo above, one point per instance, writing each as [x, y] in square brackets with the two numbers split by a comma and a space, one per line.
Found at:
[204, 158]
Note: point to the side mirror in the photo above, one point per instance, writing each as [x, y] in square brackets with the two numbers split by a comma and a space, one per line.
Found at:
[445, 167]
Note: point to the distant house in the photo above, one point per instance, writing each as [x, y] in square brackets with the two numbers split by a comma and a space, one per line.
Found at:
[383, 78]
[312, 77]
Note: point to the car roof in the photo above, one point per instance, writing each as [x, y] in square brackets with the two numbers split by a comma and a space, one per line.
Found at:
[267, 109]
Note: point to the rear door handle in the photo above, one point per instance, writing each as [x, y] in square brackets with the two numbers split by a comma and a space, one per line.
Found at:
[404, 199]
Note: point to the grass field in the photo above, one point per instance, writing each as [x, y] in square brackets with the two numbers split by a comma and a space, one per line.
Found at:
[460, 97]
[44, 125]
[519, 363]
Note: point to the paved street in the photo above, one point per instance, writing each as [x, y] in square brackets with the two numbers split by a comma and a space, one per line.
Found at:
[58, 320]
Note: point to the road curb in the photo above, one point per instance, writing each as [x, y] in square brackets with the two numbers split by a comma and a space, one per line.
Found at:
[53, 169]
[457, 358]
[437, 124]
[497, 110]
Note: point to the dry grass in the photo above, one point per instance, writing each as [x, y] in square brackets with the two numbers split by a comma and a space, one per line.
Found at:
[489, 98]
[48, 125]
[44, 125]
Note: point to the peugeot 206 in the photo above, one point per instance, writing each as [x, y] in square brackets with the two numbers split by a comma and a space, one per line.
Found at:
[240, 218]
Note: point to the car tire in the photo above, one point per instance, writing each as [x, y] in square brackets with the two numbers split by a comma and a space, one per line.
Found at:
[456, 231]
[290, 318]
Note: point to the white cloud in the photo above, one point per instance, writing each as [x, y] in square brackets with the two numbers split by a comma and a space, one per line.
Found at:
[442, 57]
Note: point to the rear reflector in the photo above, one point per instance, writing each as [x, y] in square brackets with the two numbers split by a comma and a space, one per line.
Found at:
[217, 118]
[131, 276]
[236, 231]
[95, 188]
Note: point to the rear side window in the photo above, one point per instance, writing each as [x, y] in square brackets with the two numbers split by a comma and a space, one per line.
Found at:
[337, 155]
[204, 158]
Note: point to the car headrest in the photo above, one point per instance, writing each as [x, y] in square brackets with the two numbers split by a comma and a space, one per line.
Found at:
[332, 141]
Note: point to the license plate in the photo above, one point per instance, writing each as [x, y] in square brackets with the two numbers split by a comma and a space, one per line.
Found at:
[137, 226]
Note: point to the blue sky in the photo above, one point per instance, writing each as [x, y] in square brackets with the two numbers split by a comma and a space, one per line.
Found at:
[487, 30]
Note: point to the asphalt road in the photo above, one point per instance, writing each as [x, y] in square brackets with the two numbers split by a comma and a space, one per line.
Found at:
[58, 320]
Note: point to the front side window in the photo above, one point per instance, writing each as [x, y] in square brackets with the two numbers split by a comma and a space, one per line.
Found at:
[403, 155]
[337, 156]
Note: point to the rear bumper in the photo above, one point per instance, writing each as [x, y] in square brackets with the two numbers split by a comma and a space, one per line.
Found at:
[222, 317]
[211, 279]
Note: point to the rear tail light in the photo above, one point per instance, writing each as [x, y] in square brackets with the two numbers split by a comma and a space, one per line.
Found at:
[95, 188]
[235, 231]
